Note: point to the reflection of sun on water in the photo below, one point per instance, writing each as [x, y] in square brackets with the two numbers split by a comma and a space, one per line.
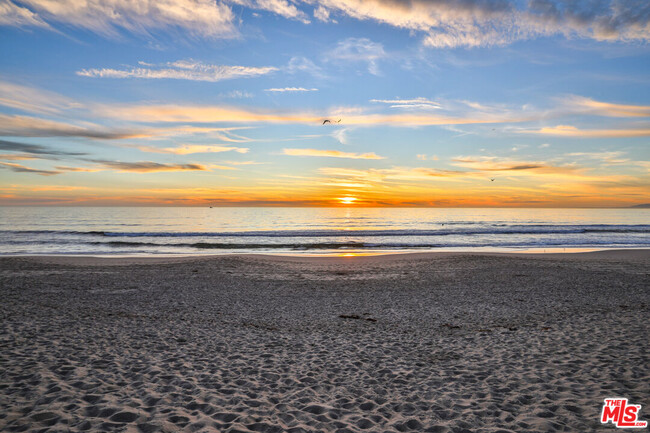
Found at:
[347, 200]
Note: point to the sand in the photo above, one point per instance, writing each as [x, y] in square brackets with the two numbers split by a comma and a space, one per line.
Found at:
[443, 342]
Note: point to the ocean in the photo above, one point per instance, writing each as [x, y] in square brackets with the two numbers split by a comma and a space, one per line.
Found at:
[342, 230]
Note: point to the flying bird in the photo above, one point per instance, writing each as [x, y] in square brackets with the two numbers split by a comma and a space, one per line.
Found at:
[326, 121]
[491, 179]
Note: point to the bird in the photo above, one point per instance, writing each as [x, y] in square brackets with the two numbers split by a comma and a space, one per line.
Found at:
[491, 179]
[338, 121]
[326, 121]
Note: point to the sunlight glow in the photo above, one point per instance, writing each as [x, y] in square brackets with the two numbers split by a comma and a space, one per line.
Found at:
[347, 200]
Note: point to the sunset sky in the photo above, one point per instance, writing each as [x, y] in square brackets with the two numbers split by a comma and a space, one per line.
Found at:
[441, 103]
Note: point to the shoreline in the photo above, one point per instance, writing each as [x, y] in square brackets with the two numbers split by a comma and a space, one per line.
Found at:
[617, 254]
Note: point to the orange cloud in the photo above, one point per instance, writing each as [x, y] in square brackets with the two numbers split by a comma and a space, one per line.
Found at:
[331, 154]
[186, 149]
[211, 114]
[572, 131]
[607, 108]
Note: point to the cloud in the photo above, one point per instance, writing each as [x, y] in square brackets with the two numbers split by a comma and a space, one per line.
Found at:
[340, 135]
[14, 15]
[243, 162]
[359, 50]
[355, 116]
[186, 149]
[442, 23]
[302, 64]
[181, 70]
[331, 154]
[206, 18]
[604, 20]
[609, 158]
[26, 126]
[471, 23]
[291, 89]
[377, 176]
[279, 7]
[17, 157]
[146, 166]
[415, 103]
[33, 100]
[322, 14]
[76, 169]
[237, 94]
[22, 169]
[424, 157]
[572, 131]
[494, 164]
[34, 149]
[599, 108]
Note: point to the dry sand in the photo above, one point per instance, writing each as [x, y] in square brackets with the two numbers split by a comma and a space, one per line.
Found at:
[425, 342]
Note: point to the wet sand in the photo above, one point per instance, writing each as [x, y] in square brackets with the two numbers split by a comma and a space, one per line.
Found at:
[438, 342]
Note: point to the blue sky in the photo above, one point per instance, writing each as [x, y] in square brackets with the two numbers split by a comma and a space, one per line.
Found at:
[441, 103]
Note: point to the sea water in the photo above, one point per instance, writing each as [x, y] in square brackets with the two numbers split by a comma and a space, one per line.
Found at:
[203, 230]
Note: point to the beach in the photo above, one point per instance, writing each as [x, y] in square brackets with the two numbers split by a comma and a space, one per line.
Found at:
[430, 342]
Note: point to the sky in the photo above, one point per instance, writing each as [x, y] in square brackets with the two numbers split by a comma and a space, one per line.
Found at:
[449, 103]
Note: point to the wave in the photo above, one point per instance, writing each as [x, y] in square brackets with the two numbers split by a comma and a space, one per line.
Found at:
[497, 229]
[359, 245]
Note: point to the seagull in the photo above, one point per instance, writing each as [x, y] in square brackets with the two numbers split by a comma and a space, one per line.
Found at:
[326, 121]
[491, 179]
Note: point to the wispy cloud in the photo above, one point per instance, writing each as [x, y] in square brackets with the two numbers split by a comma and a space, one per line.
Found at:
[181, 70]
[608, 158]
[147, 166]
[356, 50]
[591, 106]
[243, 162]
[302, 64]
[331, 154]
[35, 149]
[279, 7]
[442, 23]
[415, 103]
[394, 174]
[22, 169]
[204, 18]
[237, 94]
[353, 116]
[495, 164]
[76, 169]
[27, 126]
[572, 131]
[322, 14]
[453, 23]
[32, 99]
[186, 149]
[18, 157]
[290, 89]
[14, 15]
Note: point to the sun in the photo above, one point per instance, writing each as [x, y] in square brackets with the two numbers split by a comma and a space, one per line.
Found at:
[347, 200]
